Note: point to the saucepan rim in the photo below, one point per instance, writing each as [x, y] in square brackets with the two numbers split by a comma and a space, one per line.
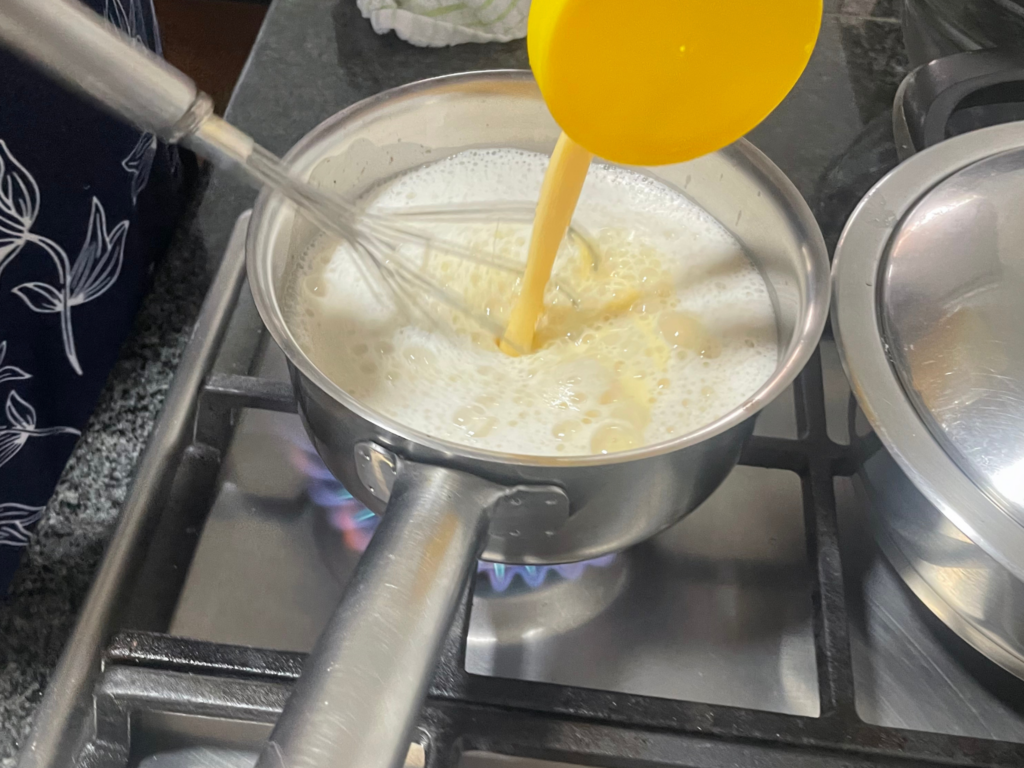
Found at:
[803, 342]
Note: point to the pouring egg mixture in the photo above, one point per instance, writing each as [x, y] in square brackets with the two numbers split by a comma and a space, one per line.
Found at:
[662, 328]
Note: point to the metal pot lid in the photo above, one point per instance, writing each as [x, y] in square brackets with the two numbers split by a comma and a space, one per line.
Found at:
[952, 312]
[928, 311]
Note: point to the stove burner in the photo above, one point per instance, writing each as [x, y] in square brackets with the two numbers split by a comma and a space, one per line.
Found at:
[357, 524]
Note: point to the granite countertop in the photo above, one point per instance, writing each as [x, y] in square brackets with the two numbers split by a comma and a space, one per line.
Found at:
[312, 58]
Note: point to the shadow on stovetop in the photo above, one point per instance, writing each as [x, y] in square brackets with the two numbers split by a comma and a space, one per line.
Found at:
[1003, 685]
[716, 609]
[910, 669]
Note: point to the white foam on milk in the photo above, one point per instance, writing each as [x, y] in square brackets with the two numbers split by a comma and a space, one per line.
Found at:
[674, 329]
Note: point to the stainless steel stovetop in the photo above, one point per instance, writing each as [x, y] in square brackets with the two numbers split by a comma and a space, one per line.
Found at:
[717, 609]
[670, 650]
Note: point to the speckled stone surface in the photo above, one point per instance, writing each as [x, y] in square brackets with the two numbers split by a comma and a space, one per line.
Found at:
[314, 57]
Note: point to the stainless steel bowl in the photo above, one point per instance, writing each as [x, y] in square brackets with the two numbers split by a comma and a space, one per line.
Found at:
[446, 504]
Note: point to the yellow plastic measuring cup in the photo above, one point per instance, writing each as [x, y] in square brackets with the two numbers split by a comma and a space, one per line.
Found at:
[664, 81]
[649, 83]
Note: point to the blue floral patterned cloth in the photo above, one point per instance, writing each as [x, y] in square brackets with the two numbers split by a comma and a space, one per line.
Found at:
[87, 205]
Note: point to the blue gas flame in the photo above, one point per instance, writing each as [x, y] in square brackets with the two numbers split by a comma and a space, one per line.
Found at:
[357, 524]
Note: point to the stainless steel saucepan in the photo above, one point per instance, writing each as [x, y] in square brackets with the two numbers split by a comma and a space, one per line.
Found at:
[444, 505]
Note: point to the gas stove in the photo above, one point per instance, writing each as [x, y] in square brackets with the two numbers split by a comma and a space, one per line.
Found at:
[765, 628]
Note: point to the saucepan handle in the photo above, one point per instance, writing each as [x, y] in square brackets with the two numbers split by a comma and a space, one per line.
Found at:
[928, 96]
[363, 686]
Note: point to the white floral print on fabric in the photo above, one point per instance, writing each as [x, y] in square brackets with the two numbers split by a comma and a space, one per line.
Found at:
[21, 427]
[10, 372]
[158, 47]
[99, 262]
[95, 270]
[19, 206]
[129, 20]
[16, 521]
[139, 161]
[71, 224]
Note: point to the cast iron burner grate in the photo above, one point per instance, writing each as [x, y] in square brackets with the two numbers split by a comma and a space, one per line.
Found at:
[136, 676]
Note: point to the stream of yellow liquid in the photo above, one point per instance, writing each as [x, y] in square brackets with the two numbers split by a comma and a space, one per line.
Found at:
[629, 396]
[559, 192]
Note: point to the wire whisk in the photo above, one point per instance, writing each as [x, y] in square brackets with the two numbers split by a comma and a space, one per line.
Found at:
[88, 54]
[392, 241]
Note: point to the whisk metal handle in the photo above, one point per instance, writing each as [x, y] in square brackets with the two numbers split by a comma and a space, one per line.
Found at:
[88, 54]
